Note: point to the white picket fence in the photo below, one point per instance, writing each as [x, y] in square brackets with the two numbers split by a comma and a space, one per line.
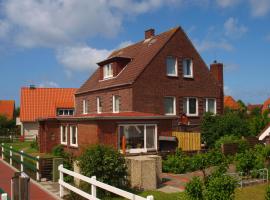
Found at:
[94, 184]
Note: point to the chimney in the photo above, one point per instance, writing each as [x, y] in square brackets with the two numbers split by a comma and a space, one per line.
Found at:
[149, 33]
[216, 69]
[32, 87]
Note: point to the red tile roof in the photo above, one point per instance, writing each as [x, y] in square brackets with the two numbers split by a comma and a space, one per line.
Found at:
[7, 108]
[266, 105]
[43, 102]
[251, 107]
[141, 55]
[229, 102]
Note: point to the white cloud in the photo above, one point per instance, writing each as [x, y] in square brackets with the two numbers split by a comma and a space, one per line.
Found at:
[206, 45]
[81, 57]
[4, 29]
[231, 66]
[259, 8]
[227, 3]
[233, 28]
[48, 84]
[125, 44]
[56, 23]
[227, 91]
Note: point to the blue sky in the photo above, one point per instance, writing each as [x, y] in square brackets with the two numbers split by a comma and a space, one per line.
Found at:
[57, 43]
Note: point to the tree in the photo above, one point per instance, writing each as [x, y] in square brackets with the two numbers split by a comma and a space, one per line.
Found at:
[214, 127]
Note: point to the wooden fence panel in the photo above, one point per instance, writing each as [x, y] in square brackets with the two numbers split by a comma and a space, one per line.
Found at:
[188, 141]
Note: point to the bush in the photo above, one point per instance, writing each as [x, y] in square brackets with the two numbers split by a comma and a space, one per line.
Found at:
[34, 145]
[177, 163]
[227, 139]
[220, 187]
[267, 194]
[194, 189]
[249, 160]
[104, 162]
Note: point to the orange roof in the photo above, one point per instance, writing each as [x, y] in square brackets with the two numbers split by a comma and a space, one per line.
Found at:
[43, 102]
[229, 102]
[266, 105]
[7, 108]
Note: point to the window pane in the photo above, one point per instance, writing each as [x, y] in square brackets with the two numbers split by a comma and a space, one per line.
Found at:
[134, 136]
[116, 104]
[71, 112]
[60, 112]
[187, 67]
[211, 105]
[185, 105]
[73, 135]
[171, 65]
[64, 131]
[65, 112]
[169, 105]
[150, 137]
[192, 106]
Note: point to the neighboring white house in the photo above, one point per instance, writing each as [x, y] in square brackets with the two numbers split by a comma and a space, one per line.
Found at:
[38, 103]
[265, 133]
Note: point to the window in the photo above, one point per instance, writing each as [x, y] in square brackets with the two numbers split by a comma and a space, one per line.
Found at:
[188, 68]
[210, 105]
[73, 136]
[190, 106]
[65, 112]
[99, 105]
[169, 105]
[116, 104]
[139, 137]
[85, 106]
[63, 130]
[107, 71]
[171, 66]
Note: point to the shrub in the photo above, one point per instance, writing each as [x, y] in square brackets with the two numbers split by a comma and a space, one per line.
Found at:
[267, 194]
[194, 189]
[34, 145]
[249, 160]
[104, 162]
[177, 163]
[227, 139]
[220, 187]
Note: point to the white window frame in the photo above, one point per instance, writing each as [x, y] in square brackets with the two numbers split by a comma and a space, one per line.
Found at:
[215, 105]
[98, 103]
[85, 107]
[197, 107]
[144, 149]
[191, 68]
[107, 71]
[174, 105]
[70, 136]
[175, 67]
[114, 104]
[61, 134]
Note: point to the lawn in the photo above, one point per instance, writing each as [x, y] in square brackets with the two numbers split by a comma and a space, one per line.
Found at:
[255, 192]
[25, 146]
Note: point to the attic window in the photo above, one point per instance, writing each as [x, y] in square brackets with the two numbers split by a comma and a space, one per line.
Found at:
[107, 71]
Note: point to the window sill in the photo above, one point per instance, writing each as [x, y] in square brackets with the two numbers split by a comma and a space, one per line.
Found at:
[73, 146]
[172, 76]
[190, 115]
[188, 77]
[170, 114]
[62, 143]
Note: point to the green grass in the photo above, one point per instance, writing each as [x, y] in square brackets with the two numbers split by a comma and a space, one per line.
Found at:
[25, 146]
[255, 192]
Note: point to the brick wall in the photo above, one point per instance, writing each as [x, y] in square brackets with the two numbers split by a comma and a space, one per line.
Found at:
[153, 85]
[107, 100]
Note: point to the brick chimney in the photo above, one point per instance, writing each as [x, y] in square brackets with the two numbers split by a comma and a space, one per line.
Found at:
[216, 69]
[149, 33]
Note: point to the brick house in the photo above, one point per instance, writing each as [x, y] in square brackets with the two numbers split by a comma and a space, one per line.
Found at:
[41, 103]
[138, 93]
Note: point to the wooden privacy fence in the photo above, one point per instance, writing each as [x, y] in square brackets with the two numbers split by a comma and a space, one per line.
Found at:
[22, 161]
[94, 184]
[188, 141]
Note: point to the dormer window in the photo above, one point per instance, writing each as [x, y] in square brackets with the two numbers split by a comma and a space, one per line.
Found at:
[187, 68]
[65, 112]
[107, 71]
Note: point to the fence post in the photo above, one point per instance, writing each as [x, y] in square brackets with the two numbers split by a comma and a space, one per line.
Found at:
[37, 166]
[93, 187]
[61, 178]
[4, 196]
[150, 197]
[3, 151]
[21, 161]
[10, 155]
